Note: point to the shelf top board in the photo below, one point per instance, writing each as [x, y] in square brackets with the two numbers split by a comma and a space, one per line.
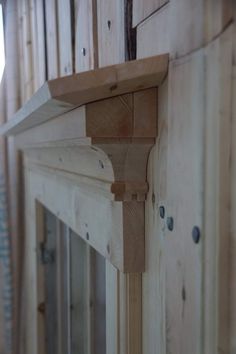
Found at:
[64, 94]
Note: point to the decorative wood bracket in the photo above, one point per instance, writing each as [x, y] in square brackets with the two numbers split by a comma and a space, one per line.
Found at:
[95, 129]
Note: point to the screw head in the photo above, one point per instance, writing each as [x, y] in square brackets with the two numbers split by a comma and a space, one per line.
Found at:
[109, 24]
[101, 164]
[196, 234]
[162, 211]
[83, 51]
[170, 223]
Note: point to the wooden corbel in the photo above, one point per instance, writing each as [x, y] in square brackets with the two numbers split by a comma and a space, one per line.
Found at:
[95, 131]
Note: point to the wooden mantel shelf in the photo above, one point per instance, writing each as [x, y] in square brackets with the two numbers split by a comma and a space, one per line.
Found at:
[86, 139]
[61, 95]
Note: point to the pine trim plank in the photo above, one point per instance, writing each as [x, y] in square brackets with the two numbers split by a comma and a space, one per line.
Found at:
[111, 32]
[64, 37]
[52, 58]
[143, 9]
[86, 51]
[40, 238]
[64, 94]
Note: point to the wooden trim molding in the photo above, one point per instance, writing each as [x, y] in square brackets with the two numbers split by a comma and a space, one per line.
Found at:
[86, 139]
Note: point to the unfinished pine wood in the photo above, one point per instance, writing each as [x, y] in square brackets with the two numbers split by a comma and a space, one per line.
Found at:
[134, 313]
[156, 26]
[122, 116]
[33, 30]
[153, 280]
[98, 290]
[40, 57]
[217, 191]
[62, 95]
[232, 315]
[40, 238]
[10, 172]
[113, 117]
[117, 168]
[79, 295]
[112, 309]
[8, 300]
[183, 262]
[111, 45]
[65, 54]
[51, 290]
[142, 9]
[26, 50]
[195, 23]
[63, 287]
[51, 39]
[120, 240]
[86, 50]
[30, 305]
[145, 105]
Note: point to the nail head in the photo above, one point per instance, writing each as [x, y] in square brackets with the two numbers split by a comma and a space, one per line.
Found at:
[196, 234]
[170, 223]
[162, 211]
